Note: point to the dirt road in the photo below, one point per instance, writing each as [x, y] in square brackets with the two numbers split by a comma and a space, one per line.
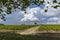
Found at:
[31, 30]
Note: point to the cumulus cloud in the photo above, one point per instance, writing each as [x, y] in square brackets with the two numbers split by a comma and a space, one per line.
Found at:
[51, 11]
[29, 17]
[35, 14]
[53, 18]
[31, 14]
[1, 20]
[14, 18]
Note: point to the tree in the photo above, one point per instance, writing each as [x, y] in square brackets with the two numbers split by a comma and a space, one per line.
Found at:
[35, 23]
[21, 4]
[1, 24]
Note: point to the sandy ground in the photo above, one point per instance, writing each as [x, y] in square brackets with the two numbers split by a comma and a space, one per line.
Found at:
[32, 30]
[28, 31]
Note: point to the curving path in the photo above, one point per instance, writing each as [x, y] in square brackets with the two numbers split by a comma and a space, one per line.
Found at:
[31, 30]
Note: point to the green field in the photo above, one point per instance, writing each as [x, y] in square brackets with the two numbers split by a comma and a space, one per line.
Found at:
[41, 36]
[15, 27]
[21, 27]
[49, 27]
[14, 36]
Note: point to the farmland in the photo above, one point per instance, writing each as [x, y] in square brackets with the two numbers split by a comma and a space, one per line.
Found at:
[15, 27]
[42, 36]
[37, 36]
[50, 27]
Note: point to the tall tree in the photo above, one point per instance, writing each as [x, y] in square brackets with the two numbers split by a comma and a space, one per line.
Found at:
[9, 5]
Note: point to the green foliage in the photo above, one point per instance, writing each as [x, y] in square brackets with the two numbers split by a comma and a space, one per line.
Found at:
[15, 27]
[22, 4]
[42, 36]
[56, 6]
[49, 27]
[35, 23]
[10, 36]
[46, 10]
[1, 24]
[14, 36]
[54, 1]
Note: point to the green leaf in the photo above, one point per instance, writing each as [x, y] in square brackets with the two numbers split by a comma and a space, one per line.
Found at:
[45, 10]
[56, 6]
[54, 1]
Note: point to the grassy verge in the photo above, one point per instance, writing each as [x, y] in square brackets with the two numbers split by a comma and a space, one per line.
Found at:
[49, 27]
[14, 36]
[15, 27]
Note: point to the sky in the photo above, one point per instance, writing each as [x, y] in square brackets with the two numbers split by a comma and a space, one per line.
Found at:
[34, 14]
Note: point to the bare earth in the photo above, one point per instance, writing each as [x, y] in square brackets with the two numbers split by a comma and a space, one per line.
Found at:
[32, 30]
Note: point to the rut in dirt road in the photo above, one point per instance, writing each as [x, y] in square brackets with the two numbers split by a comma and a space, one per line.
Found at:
[32, 30]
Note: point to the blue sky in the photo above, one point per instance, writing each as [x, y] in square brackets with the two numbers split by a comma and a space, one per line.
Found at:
[34, 14]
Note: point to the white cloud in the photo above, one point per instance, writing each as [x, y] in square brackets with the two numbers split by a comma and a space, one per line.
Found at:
[51, 11]
[29, 17]
[33, 10]
[53, 18]
[1, 20]
[31, 14]
[51, 23]
[35, 14]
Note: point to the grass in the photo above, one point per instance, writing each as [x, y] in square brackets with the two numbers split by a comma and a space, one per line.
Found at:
[49, 27]
[41, 36]
[14, 36]
[15, 27]
[10, 36]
